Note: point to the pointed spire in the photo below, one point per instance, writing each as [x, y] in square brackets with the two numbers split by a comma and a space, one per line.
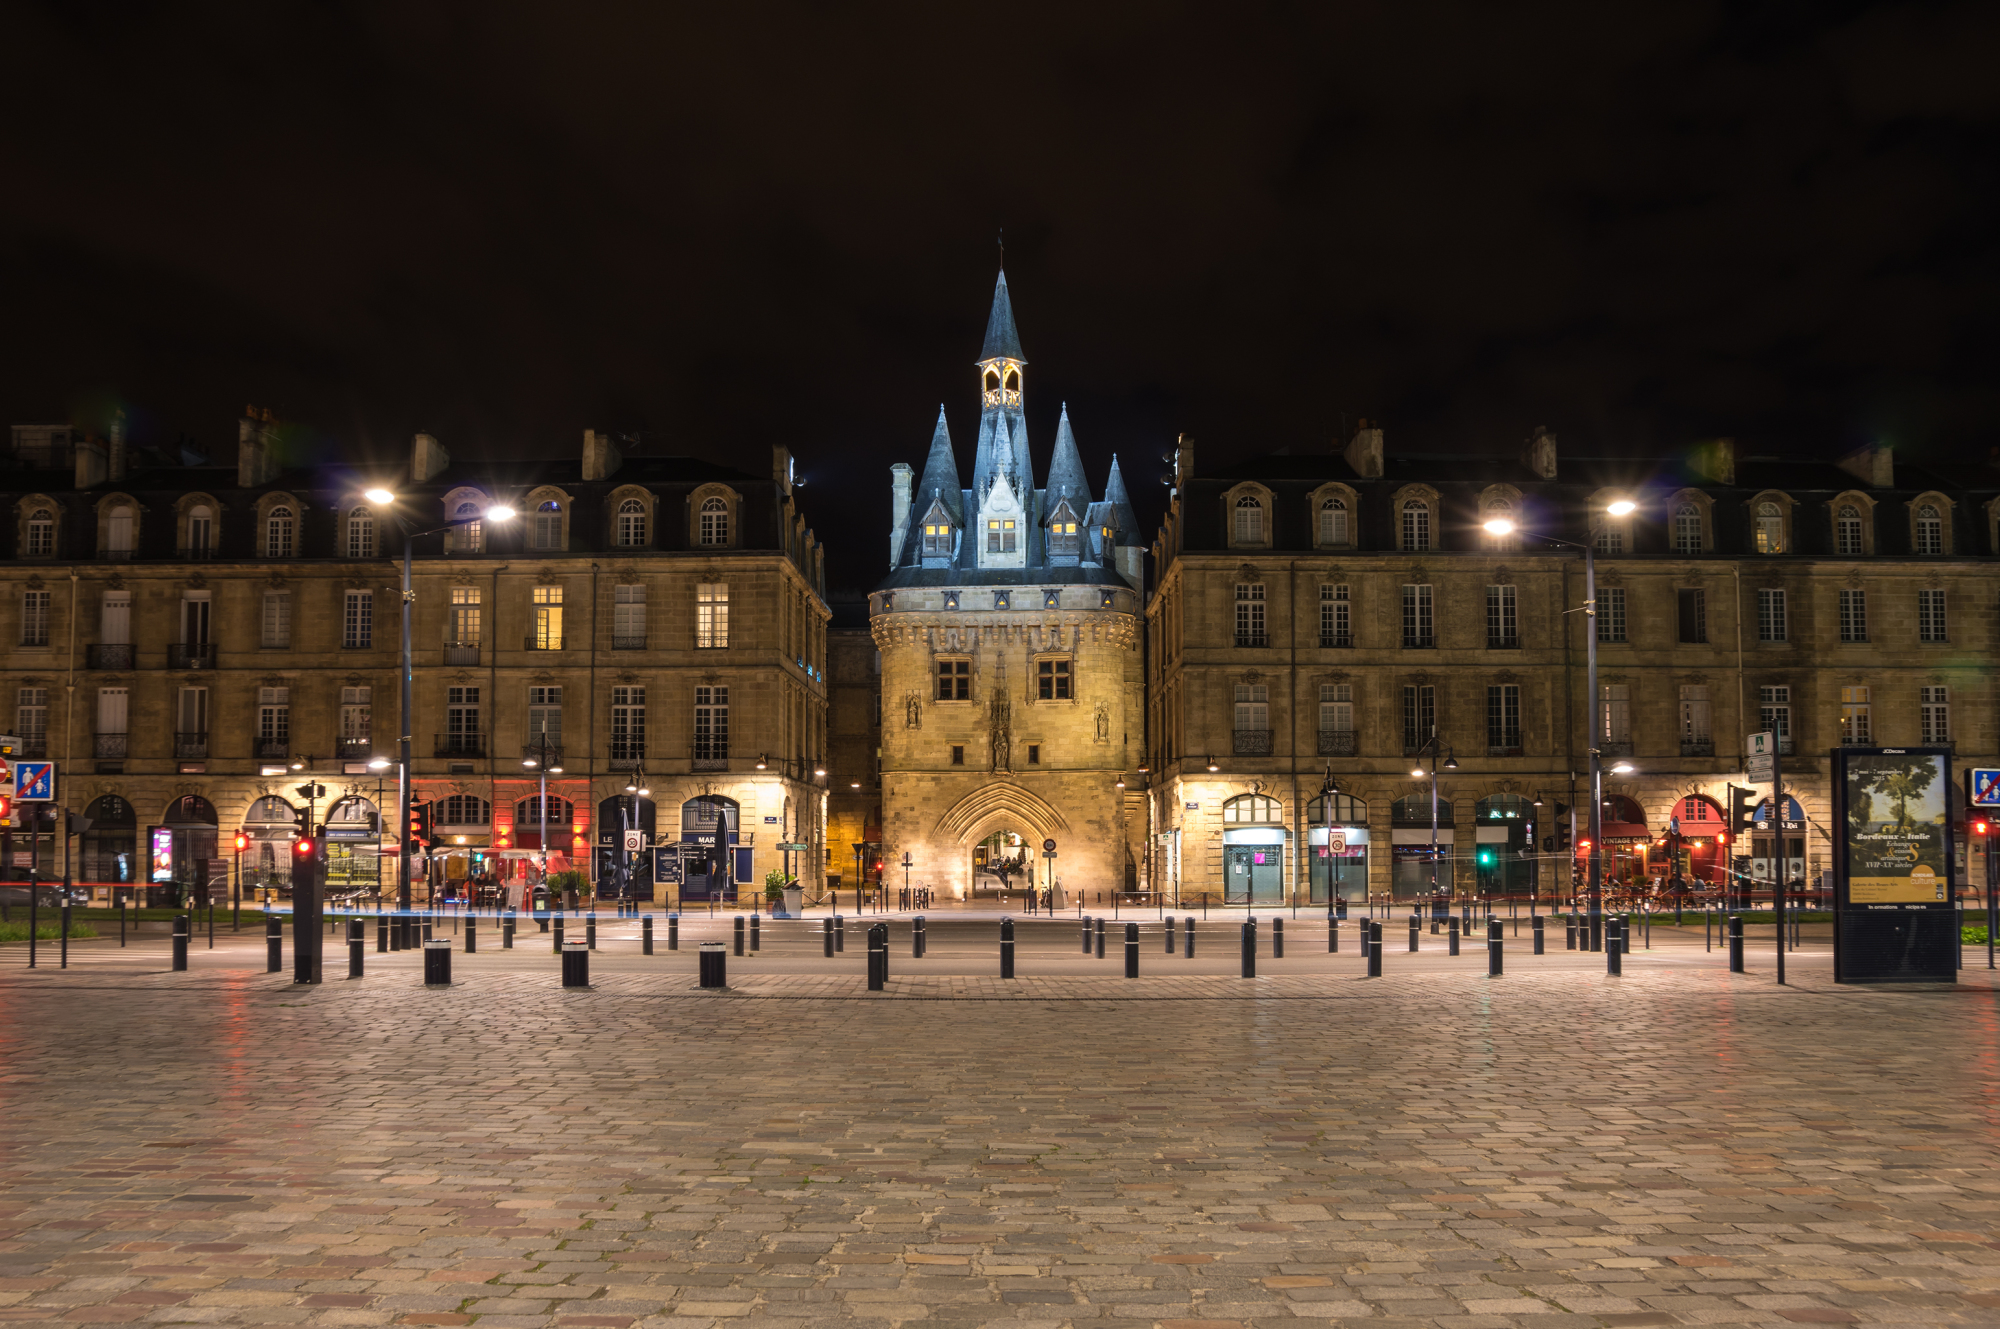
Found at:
[1125, 522]
[1002, 341]
[1067, 482]
[940, 479]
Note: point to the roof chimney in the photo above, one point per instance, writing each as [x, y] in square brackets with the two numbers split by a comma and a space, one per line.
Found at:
[899, 517]
[1874, 465]
[427, 458]
[601, 458]
[1539, 455]
[1364, 451]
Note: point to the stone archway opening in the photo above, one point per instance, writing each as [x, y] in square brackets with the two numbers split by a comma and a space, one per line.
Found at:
[1003, 863]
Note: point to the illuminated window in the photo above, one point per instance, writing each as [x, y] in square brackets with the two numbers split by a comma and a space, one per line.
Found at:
[1000, 536]
[1063, 537]
[711, 615]
[470, 537]
[464, 629]
[548, 608]
[1854, 719]
[1770, 529]
[937, 538]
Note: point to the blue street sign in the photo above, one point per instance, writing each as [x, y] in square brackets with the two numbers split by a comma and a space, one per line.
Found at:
[1981, 781]
[34, 782]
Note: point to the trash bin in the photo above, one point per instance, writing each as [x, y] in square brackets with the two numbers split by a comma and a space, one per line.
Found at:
[575, 965]
[437, 964]
[714, 965]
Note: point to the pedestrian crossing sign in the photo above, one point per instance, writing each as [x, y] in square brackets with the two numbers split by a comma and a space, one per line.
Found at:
[1983, 787]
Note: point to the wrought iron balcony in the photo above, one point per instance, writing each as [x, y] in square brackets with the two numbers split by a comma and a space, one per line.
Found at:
[197, 553]
[116, 655]
[459, 745]
[190, 745]
[1251, 743]
[1502, 642]
[115, 555]
[1614, 747]
[33, 746]
[1697, 747]
[709, 757]
[274, 749]
[353, 749]
[627, 753]
[637, 643]
[1330, 641]
[1336, 743]
[461, 652]
[1252, 639]
[112, 747]
[191, 655]
[535, 641]
[552, 752]
[1419, 641]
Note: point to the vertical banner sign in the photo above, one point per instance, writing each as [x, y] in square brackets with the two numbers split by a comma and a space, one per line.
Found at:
[1894, 871]
[162, 849]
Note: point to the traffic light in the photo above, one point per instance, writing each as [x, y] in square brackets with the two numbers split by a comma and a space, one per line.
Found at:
[1583, 847]
[1487, 858]
[6, 807]
[242, 842]
[1742, 810]
[303, 847]
[1559, 819]
[420, 825]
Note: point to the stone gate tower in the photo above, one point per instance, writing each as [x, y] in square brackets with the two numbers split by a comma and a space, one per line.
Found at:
[1012, 681]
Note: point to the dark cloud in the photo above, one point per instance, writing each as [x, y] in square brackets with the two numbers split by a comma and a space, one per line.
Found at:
[1638, 224]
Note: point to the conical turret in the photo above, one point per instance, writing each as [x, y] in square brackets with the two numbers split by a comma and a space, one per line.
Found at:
[1067, 483]
[1125, 522]
[940, 480]
[1003, 341]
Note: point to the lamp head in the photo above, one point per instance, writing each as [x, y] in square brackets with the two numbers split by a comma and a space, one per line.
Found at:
[530, 762]
[380, 764]
[1623, 507]
[555, 770]
[1451, 763]
[1416, 772]
[1623, 768]
[1212, 766]
[1500, 526]
[645, 792]
[379, 497]
[499, 512]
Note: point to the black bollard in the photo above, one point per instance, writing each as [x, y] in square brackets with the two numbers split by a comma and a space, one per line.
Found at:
[826, 939]
[738, 950]
[673, 932]
[1188, 951]
[1170, 934]
[1249, 948]
[756, 932]
[1569, 931]
[1332, 935]
[1493, 944]
[1594, 924]
[1415, 925]
[1614, 947]
[590, 932]
[556, 943]
[1451, 935]
[646, 935]
[381, 933]
[878, 956]
[180, 942]
[1340, 907]
[507, 933]
[471, 933]
[1006, 948]
[1373, 927]
[1086, 934]
[1536, 926]
[1736, 944]
[1100, 937]
[917, 937]
[63, 932]
[1277, 939]
[1131, 950]
[1367, 938]
[274, 944]
[437, 963]
[357, 946]
[575, 964]
[839, 934]
[714, 963]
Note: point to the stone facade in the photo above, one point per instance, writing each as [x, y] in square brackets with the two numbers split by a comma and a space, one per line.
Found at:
[187, 640]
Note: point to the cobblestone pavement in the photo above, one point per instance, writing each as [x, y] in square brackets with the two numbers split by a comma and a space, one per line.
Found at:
[1557, 1147]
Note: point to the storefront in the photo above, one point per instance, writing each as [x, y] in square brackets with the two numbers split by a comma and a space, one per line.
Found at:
[1764, 865]
[1254, 843]
[1627, 843]
[182, 858]
[1503, 830]
[353, 836]
[713, 859]
[624, 874]
[1698, 834]
[1415, 870]
[265, 864]
[109, 850]
[1337, 854]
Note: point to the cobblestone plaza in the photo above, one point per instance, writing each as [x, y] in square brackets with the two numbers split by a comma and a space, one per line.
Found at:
[1678, 1145]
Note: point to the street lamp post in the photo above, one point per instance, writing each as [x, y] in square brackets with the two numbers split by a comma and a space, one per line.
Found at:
[543, 768]
[1329, 790]
[1430, 745]
[635, 790]
[382, 498]
[1502, 526]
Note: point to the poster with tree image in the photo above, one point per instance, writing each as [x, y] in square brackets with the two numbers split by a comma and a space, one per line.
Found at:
[1898, 829]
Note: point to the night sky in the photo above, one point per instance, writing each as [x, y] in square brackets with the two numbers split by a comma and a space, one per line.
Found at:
[1640, 225]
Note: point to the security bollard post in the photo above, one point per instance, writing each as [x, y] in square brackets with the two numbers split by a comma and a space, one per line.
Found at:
[1614, 946]
[556, 944]
[1340, 907]
[428, 919]
[1100, 937]
[575, 964]
[62, 931]
[1131, 950]
[646, 935]
[673, 932]
[437, 963]
[590, 932]
[1569, 931]
[1249, 948]
[878, 956]
[1535, 926]
[471, 933]
[1451, 938]
[1332, 935]
[738, 948]
[756, 932]
[357, 946]
[1736, 944]
[826, 939]
[507, 933]
[1494, 942]
[1170, 934]
[1277, 939]
[839, 934]
[274, 944]
[1006, 948]
[1415, 924]
[1372, 929]
[917, 937]
[1188, 951]
[381, 934]
[1086, 934]
[714, 963]
[180, 942]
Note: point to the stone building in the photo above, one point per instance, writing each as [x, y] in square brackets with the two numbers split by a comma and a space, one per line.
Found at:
[854, 745]
[1011, 679]
[1328, 614]
[192, 641]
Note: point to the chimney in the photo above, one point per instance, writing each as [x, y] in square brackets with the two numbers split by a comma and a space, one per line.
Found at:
[90, 462]
[1715, 461]
[1183, 461]
[256, 457]
[1874, 465]
[1539, 455]
[427, 458]
[117, 455]
[781, 466]
[1364, 451]
[601, 458]
[899, 520]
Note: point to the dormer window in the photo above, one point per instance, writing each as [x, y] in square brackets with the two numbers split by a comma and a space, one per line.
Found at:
[1504, 541]
[1333, 523]
[714, 521]
[1000, 536]
[1688, 537]
[937, 538]
[1847, 530]
[278, 533]
[631, 524]
[1063, 537]
[1930, 530]
[549, 525]
[1249, 520]
[470, 535]
[41, 533]
[1770, 529]
[361, 533]
[1416, 525]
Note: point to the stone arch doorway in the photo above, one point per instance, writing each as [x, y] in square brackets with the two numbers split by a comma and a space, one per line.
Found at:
[1004, 862]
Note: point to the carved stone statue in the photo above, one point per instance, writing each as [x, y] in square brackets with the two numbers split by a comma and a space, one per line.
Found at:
[1103, 723]
[913, 712]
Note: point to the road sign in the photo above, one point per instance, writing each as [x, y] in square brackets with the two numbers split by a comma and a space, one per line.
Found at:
[1760, 750]
[635, 842]
[793, 847]
[1048, 846]
[1982, 787]
[1336, 840]
[34, 782]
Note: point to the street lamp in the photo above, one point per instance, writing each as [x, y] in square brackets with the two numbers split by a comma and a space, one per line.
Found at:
[544, 767]
[1430, 745]
[1329, 790]
[1502, 526]
[636, 789]
[387, 501]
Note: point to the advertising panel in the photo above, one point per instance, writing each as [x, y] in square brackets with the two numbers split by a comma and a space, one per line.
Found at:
[162, 849]
[1898, 831]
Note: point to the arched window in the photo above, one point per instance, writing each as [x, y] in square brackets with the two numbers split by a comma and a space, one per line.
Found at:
[470, 537]
[528, 812]
[1416, 525]
[464, 810]
[1847, 530]
[361, 533]
[118, 533]
[1249, 520]
[1347, 811]
[1415, 810]
[110, 847]
[631, 523]
[715, 521]
[200, 531]
[1687, 529]
[1333, 523]
[279, 528]
[549, 525]
[1503, 807]
[41, 533]
[1770, 529]
[1258, 809]
[1930, 530]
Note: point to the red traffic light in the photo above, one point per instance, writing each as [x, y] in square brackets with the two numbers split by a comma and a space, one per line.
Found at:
[302, 846]
[1979, 828]
[242, 842]
[1583, 846]
[6, 807]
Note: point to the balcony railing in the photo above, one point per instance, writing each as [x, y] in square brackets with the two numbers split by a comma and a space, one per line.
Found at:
[461, 652]
[353, 749]
[710, 757]
[33, 746]
[117, 655]
[460, 745]
[1336, 743]
[115, 555]
[637, 643]
[1330, 641]
[1419, 641]
[197, 553]
[536, 642]
[187, 745]
[1615, 747]
[273, 749]
[552, 752]
[112, 747]
[1856, 741]
[1502, 642]
[1252, 639]
[1251, 743]
[624, 755]
[1697, 747]
[191, 655]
